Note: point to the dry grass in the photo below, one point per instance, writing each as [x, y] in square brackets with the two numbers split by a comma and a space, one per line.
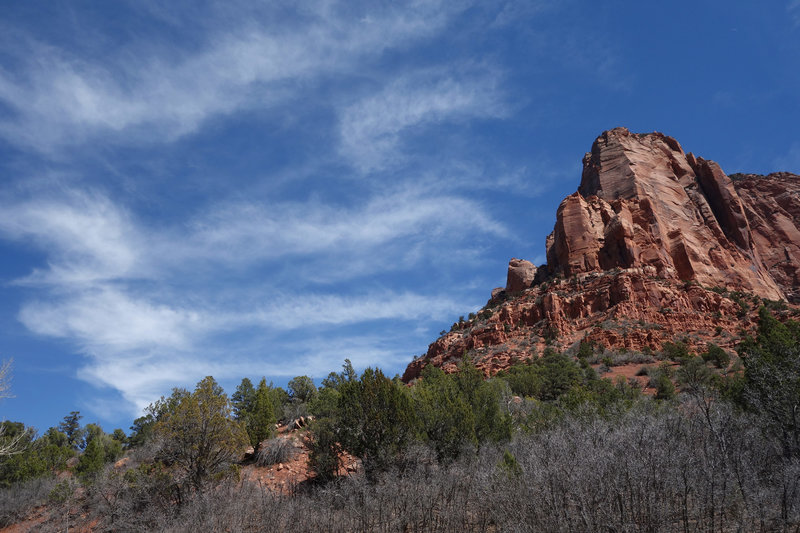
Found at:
[274, 451]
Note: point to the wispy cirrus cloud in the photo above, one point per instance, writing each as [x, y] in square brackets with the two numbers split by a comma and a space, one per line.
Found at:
[88, 238]
[259, 231]
[112, 320]
[137, 300]
[150, 93]
[372, 127]
[141, 345]
[109, 318]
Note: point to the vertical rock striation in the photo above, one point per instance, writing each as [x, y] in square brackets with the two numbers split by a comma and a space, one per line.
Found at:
[772, 207]
[642, 201]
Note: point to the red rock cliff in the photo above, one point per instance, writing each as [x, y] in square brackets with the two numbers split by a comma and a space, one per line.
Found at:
[772, 206]
[635, 254]
[643, 202]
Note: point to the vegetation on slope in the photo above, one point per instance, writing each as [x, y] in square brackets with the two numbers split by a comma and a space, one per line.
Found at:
[546, 445]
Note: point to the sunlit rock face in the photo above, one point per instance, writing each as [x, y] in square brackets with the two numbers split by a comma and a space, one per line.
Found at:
[642, 202]
[772, 206]
[640, 245]
[521, 274]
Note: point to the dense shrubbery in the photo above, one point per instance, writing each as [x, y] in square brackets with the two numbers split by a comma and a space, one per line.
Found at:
[46, 455]
[28, 477]
[716, 355]
[772, 378]
[460, 409]
[377, 419]
[544, 446]
[675, 351]
[704, 467]
[39, 457]
[545, 378]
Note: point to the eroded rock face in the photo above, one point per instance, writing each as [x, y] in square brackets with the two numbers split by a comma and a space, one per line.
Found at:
[643, 202]
[772, 207]
[521, 274]
[655, 245]
[628, 309]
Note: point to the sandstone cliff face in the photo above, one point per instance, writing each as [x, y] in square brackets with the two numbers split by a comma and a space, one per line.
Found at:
[634, 256]
[772, 206]
[643, 202]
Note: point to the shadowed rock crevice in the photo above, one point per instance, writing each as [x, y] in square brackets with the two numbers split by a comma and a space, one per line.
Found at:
[727, 208]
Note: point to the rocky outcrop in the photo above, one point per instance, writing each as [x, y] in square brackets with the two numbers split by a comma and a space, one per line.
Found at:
[521, 274]
[630, 310]
[655, 245]
[643, 202]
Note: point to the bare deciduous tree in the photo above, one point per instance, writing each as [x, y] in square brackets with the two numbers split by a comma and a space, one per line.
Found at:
[15, 444]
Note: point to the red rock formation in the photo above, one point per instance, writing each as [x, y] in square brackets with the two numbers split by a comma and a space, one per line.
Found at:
[521, 274]
[643, 201]
[772, 206]
[634, 256]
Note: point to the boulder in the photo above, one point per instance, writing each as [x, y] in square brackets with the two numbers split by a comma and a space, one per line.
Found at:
[520, 275]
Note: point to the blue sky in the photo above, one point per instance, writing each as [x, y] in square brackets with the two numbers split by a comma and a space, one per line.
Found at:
[243, 189]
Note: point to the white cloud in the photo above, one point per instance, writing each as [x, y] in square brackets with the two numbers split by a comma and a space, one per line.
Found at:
[153, 93]
[88, 238]
[141, 333]
[109, 319]
[332, 309]
[139, 346]
[252, 231]
[372, 128]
